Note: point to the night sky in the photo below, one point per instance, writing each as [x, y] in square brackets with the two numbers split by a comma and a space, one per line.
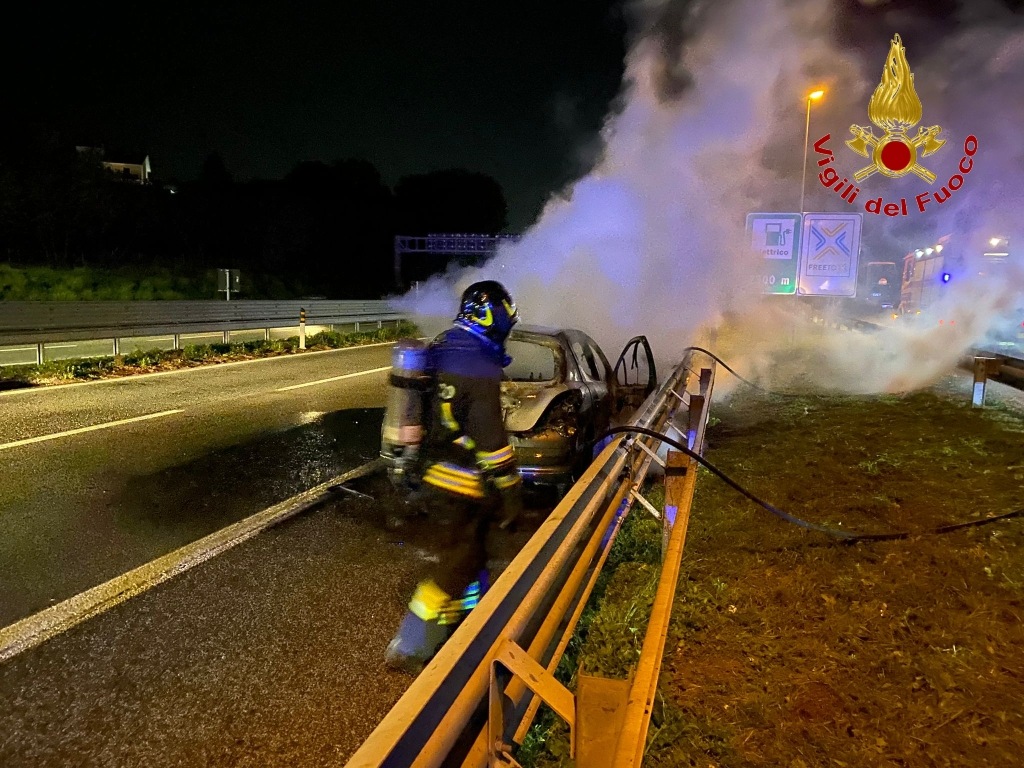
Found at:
[515, 90]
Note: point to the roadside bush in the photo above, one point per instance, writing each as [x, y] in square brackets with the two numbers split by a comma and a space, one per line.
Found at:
[253, 347]
[195, 352]
[326, 339]
[140, 360]
[144, 359]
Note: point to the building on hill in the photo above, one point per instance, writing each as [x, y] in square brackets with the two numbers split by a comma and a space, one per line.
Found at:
[127, 166]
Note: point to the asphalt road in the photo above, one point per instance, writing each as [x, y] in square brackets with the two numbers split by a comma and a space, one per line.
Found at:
[270, 654]
[83, 499]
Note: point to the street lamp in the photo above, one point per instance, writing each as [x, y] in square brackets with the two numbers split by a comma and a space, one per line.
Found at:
[812, 96]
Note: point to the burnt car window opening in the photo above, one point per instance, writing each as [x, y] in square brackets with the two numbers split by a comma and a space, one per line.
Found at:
[586, 360]
[597, 357]
[530, 362]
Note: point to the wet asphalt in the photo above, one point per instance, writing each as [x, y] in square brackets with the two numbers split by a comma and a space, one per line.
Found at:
[80, 509]
[270, 654]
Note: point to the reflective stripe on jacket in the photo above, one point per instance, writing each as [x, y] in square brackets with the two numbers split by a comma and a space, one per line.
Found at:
[466, 444]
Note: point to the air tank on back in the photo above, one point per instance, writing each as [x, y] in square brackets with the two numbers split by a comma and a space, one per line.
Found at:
[404, 418]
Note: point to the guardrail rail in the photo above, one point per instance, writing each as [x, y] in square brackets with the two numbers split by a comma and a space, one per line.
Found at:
[34, 324]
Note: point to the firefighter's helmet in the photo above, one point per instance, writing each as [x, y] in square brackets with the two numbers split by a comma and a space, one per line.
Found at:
[488, 310]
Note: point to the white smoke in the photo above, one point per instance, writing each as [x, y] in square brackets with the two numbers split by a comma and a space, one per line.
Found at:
[711, 127]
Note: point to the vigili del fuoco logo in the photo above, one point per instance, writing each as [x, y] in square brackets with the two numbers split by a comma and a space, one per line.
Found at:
[894, 109]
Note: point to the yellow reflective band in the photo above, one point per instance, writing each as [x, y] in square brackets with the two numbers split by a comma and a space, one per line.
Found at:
[458, 472]
[448, 417]
[466, 442]
[493, 458]
[458, 482]
[453, 486]
[487, 320]
[429, 600]
[506, 481]
[455, 480]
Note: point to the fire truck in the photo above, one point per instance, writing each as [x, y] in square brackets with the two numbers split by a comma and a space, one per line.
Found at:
[929, 272]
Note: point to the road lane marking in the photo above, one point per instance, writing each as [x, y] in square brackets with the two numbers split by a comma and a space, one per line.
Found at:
[205, 367]
[57, 619]
[93, 428]
[334, 378]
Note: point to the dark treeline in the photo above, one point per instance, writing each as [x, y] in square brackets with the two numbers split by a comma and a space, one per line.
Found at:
[325, 229]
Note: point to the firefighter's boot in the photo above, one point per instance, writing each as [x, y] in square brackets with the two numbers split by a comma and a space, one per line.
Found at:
[423, 630]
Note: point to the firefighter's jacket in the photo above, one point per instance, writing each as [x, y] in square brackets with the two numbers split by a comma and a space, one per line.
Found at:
[466, 451]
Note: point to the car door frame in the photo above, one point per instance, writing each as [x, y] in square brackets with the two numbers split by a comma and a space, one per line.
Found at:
[633, 395]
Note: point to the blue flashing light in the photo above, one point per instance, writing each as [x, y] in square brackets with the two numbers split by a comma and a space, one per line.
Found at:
[945, 277]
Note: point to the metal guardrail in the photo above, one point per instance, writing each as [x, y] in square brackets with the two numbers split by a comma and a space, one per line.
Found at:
[37, 323]
[480, 693]
[31, 321]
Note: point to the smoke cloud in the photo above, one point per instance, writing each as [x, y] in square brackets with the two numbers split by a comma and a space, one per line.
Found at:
[709, 126]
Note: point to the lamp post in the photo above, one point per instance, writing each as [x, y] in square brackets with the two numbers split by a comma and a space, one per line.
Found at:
[812, 96]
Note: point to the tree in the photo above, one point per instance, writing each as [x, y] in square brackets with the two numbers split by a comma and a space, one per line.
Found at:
[215, 174]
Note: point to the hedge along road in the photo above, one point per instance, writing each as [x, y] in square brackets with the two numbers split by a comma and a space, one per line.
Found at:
[98, 478]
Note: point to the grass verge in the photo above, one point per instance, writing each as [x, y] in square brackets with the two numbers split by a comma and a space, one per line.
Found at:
[789, 649]
[143, 361]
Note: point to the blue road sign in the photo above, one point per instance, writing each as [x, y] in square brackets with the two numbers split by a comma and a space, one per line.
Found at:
[775, 237]
[831, 250]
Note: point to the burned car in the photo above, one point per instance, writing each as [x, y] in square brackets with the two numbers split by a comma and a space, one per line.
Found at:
[560, 392]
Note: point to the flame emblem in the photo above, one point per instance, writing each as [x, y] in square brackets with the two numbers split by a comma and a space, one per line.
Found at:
[895, 108]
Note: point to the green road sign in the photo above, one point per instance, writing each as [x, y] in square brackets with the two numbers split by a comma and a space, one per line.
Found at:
[775, 238]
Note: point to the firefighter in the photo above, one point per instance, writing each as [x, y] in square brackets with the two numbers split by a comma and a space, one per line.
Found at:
[470, 481]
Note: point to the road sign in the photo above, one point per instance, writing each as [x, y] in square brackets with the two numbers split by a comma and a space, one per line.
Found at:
[229, 281]
[831, 246]
[776, 238]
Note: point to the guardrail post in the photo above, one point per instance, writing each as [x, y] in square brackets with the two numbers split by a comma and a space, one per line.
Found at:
[983, 367]
[693, 422]
[302, 329]
[512, 661]
[675, 474]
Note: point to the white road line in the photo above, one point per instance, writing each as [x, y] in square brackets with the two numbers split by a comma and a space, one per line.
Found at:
[334, 378]
[52, 621]
[93, 428]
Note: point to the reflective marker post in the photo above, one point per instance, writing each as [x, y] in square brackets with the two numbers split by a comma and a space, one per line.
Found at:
[302, 329]
[983, 367]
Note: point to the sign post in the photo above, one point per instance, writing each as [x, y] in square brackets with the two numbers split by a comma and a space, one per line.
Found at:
[776, 238]
[229, 280]
[831, 250]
